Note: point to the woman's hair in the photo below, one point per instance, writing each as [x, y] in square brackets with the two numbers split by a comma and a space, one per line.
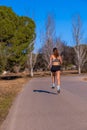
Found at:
[55, 52]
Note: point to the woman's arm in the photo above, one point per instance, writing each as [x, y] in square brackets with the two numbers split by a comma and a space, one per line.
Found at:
[60, 59]
[50, 64]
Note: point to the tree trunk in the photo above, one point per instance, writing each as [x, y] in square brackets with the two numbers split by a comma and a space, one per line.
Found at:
[32, 72]
[79, 69]
[31, 66]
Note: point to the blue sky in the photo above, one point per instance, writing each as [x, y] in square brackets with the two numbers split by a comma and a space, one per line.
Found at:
[63, 11]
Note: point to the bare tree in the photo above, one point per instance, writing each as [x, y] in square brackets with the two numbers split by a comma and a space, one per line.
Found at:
[31, 60]
[78, 37]
[47, 50]
[49, 38]
[82, 57]
[60, 45]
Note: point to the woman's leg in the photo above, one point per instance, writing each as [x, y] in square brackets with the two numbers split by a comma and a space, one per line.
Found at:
[58, 80]
[58, 77]
[53, 79]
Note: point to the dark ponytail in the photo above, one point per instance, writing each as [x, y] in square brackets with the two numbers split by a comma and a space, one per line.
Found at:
[55, 52]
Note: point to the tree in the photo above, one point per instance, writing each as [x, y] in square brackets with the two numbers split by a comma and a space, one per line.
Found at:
[82, 55]
[16, 33]
[23, 37]
[31, 60]
[3, 57]
[8, 23]
[78, 37]
[49, 38]
[68, 54]
[60, 45]
[40, 62]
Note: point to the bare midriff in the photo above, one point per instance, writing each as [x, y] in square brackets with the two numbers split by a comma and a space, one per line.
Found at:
[56, 63]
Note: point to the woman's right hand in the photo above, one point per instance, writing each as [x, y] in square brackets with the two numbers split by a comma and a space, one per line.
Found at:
[49, 66]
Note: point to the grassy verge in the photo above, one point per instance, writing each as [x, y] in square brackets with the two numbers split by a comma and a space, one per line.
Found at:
[8, 91]
[48, 73]
[85, 79]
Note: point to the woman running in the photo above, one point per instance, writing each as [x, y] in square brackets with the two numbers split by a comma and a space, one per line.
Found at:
[55, 65]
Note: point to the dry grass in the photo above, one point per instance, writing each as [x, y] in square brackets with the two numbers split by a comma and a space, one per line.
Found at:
[8, 91]
[42, 73]
[48, 73]
[85, 79]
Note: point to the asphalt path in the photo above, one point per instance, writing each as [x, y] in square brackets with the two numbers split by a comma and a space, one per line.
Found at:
[39, 107]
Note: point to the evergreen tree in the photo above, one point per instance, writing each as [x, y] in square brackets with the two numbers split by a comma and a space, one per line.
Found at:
[16, 34]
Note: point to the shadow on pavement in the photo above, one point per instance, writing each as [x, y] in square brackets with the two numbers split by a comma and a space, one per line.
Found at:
[44, 91]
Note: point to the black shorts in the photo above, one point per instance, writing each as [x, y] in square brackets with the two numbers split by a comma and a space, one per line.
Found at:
[55, 68]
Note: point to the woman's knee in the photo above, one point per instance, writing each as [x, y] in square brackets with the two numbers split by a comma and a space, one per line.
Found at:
[58, 78]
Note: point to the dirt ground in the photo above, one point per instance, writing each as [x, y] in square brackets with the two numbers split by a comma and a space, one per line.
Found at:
[85, 79]
[8, 91]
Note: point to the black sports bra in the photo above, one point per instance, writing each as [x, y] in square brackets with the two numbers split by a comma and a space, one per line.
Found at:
[56, 60]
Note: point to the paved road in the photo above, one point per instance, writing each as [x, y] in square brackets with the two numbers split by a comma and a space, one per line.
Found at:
[39, 107]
